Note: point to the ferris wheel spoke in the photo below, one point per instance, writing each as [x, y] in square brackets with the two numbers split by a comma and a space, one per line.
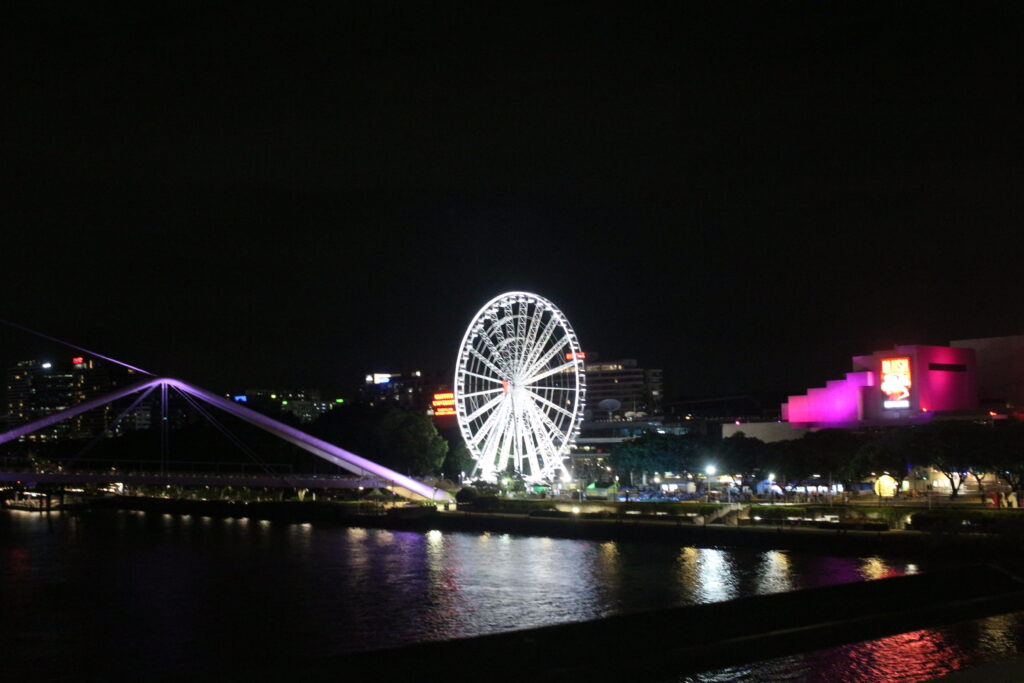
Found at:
[521, 321]
[532, 328]
[487, 427]
[502, 439]
[493, 403]
[529, 442]
[547, 438]
[507, 349]
[484, 392]
[548, 355]
[509, 321]
[541, 343]
[496, 347]
[486, 377]
[549, 404]
[522, 442]
[541, 430]
[497, 328]
[488, 364]
[551, 371]
[491, 449]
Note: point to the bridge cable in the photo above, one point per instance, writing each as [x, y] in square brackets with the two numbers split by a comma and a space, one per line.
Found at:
[232, 437]
[74, 346]
[92, 444]
[164, 437]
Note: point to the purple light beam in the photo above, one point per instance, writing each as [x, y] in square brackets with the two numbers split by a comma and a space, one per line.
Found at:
[73, 346]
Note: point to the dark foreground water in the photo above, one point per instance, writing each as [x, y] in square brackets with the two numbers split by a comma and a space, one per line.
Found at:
[122, 595]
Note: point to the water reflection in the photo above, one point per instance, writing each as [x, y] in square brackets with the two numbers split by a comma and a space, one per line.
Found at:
[319, 590]
[774, 573]
[876, 568]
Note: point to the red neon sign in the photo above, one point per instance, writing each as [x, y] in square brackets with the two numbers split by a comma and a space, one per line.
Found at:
[579, 355]
[443, 404]
[77, 360]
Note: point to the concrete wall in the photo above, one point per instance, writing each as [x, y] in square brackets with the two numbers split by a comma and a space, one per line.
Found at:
[1000, 368]
[765, 431]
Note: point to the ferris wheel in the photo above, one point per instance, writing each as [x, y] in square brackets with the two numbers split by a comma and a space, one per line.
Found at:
[520, 388]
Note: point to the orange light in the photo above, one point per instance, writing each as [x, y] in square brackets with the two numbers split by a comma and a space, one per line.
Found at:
[443, 402]
[504, 385]
[579, 355]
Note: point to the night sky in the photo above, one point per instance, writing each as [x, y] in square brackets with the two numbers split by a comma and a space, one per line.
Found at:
[292, 195]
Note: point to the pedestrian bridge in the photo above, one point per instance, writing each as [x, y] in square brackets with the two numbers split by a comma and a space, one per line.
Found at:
[367, 473]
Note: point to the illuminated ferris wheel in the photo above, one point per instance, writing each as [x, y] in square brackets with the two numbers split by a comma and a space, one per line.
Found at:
[519, 388]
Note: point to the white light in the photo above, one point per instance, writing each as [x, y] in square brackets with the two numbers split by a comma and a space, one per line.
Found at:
[47, 366]
[771, 476]
[575, 510]
[709, 470]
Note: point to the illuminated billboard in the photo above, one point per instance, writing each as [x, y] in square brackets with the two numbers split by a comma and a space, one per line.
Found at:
[443, 404]
[579, 355]
[896, 382]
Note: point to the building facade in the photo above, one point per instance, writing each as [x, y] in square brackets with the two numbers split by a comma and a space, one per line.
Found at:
[36, 389]
[902, 385]
[636, 391]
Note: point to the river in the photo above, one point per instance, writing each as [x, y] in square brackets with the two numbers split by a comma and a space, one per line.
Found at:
[132, 595]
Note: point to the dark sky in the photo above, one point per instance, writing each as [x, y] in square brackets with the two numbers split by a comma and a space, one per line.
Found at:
[290, 194]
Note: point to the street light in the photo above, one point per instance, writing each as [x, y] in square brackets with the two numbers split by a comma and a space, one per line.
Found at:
[708, 471]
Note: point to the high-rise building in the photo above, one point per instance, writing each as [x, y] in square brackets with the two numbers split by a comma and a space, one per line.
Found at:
[36, 389]
[620, 387]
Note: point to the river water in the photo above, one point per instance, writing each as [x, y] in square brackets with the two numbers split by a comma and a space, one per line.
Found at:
[131, 595]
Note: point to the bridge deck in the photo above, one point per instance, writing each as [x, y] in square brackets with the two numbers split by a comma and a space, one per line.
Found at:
[195, 479]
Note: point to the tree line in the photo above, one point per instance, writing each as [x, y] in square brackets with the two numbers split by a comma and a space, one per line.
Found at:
[957, 448]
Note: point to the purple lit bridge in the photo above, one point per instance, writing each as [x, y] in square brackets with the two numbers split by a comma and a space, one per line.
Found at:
[368, 473]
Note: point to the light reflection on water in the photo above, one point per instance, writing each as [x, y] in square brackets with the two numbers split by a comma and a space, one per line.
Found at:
[170, 593]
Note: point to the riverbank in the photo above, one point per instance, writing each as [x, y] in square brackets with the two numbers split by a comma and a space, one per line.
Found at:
[840, 541]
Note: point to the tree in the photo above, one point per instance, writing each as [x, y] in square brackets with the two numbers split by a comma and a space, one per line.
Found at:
[406, 442]
[889, 452]
[410, 442]
[458, 460]
[1006, 454]
[829, 452]
[657, 453]
[951, 448]
[741, 453]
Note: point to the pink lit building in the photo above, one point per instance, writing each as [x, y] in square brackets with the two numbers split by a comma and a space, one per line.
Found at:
[905, 384]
